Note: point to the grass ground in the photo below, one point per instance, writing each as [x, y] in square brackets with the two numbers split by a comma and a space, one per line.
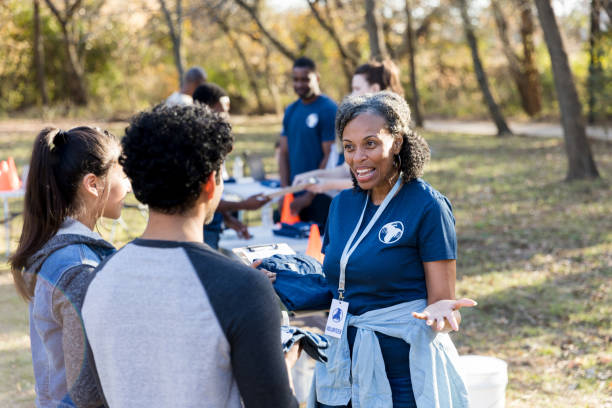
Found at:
[535, 252]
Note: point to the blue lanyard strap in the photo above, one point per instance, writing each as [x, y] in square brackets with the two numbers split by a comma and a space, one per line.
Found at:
[349, 248]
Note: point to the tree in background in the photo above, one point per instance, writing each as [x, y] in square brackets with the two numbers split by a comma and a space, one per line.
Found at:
[349, 59]
[416, 103]
[253, 11]
[378, 49]
[249, 69]
[596, 73]
[39, 55]
[523, 70]
[581, 163]
[73, 64]
[175, 27]
[496, 114]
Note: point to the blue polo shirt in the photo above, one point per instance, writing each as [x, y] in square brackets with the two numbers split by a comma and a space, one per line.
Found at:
[387, 267]
[306, 127]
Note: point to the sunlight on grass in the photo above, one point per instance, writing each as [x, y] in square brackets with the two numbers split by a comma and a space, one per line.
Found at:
[534, 251]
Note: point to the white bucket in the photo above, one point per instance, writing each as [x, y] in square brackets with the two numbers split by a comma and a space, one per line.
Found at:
[486, 379]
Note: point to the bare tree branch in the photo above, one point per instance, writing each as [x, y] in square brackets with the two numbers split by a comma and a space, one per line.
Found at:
[252, 10]
[175, 34]
[344, 52]
[56, 12]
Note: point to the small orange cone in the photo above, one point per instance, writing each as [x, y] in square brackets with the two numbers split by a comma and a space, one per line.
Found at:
[14, 175]
[314, 244]
[286, 215]
[9, 179]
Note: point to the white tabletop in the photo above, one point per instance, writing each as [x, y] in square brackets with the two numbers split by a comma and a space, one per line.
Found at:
[261, 236]
[12, 193]
[246, 187]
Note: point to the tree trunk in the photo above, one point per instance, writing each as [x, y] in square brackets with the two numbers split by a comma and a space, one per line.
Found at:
[530, 69]
[272, 38]
[580, 159]
[349, 61]
[74, 70]
[596, 55]
[378, 50]
[529, 97]
[251, 74]
[496, 114]
[78, 90]
[175, 35]
[271, 85]
[416, 104]
[608, 8]
[39, 56]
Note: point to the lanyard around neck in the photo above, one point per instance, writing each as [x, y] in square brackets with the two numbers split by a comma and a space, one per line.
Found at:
[349, 248]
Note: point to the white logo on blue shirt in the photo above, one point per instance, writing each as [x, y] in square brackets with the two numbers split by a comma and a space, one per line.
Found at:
[391, 232]
[312, 120]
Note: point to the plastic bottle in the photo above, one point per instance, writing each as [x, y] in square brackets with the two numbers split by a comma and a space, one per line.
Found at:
[238, 168]
[266, 216]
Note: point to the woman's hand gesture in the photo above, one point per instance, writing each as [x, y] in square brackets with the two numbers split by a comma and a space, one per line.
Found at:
[443, 315]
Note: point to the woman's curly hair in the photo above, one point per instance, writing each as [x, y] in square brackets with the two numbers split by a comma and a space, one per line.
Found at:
[169, 152]
[414, 153]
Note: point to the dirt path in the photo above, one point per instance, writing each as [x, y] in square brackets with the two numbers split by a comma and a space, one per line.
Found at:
[520, 128]
[535, 129]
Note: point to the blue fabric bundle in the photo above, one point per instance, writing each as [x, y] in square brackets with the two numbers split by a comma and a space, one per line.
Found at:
[270, 183]
[313, 344]
[300, 282]
[297, 230]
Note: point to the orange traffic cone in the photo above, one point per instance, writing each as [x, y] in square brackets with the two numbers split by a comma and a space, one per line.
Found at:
[286, 215]
[9, 179]
[314, 244]
[14, 175]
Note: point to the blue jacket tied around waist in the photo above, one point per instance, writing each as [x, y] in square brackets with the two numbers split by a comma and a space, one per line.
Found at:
[436, 381]
[300, 282]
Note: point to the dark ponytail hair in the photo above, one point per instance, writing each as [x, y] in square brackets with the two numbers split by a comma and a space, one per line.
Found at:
[384, 73]
[60, 160]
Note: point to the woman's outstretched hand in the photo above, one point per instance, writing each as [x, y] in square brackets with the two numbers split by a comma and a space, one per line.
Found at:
[443, 315]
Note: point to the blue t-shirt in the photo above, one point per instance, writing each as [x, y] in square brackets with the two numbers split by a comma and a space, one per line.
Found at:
[306, 127]
[387, 267]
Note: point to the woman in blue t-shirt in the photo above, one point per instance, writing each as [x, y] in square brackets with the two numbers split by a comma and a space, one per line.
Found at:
[390, 253]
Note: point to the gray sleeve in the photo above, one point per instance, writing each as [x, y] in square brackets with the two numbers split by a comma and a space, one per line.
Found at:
[67, 302]
[246, 307]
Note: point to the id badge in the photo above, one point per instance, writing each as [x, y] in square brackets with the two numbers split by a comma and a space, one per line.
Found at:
[336, 318]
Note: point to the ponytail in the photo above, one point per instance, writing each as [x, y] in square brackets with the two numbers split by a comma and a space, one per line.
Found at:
[59, 161]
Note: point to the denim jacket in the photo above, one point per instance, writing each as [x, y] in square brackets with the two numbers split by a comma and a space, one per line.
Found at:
[436, 381]
[300, 282]
[61, 272]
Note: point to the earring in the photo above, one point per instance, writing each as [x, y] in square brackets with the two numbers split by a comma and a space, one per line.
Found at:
[397, 161]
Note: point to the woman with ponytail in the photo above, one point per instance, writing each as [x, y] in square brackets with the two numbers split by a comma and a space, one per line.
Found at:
[74, 179]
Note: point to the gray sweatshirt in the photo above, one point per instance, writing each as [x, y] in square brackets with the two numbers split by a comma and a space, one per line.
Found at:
[175, 324]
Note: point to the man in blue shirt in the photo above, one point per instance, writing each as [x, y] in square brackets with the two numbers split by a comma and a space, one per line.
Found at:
[306, 139]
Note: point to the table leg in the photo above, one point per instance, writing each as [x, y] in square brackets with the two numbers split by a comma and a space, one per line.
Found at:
[7, 226]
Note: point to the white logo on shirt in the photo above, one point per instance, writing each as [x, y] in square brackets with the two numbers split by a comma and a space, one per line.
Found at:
[391, 232]
[312, 120]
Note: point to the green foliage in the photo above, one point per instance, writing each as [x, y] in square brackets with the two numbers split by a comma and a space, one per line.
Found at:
[129, 64]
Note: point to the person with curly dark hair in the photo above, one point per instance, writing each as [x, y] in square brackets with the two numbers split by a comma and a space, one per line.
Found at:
[171, 322]
[390, 256]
